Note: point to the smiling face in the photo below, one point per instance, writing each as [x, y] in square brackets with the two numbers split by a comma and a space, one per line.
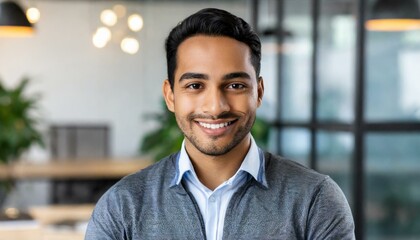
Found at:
[215, 94]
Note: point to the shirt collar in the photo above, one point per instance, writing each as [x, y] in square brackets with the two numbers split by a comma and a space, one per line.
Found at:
[253, 163]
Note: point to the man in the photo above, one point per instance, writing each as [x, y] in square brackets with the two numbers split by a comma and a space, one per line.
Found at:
[220, 185]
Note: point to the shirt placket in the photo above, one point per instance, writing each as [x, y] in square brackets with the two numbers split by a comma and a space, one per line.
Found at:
[213, 211]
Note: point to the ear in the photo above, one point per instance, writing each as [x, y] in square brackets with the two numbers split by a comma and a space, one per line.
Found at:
[168, 95]
[260, 90]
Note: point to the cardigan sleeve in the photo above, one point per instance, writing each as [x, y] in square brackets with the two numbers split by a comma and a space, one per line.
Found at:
[106, 222]
[329, 214]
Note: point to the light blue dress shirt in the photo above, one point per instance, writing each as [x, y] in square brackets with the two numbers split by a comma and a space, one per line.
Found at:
[213, 204]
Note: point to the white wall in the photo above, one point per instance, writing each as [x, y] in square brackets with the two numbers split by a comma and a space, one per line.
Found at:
[82, 84]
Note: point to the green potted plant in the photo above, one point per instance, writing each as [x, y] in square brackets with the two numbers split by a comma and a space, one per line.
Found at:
[167, 138]
[17, 126]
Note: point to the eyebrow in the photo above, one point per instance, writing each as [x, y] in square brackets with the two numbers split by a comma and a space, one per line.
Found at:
[229, 76]
[236, 75]
[191, 75]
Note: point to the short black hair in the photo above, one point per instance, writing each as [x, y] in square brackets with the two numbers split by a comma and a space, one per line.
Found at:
[212, 22]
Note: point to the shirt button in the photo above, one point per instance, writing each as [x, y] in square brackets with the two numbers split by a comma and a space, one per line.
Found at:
[212, 199]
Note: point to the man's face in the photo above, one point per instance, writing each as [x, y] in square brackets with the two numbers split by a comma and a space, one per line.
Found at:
[215, 94]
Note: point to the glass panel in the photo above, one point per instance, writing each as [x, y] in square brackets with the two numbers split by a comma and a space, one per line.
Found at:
[392, 186]
[296, 69]
[296, 144]
[269, 66]
[273, 143]
[269, 58]
[335, 151]
[392, 82]
[336, 68]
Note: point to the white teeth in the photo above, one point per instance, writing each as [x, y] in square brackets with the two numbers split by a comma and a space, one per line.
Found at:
[214, 126]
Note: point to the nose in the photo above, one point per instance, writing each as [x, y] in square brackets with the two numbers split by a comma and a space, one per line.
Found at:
[215, 102]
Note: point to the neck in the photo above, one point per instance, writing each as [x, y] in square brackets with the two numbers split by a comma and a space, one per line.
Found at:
[214, 170]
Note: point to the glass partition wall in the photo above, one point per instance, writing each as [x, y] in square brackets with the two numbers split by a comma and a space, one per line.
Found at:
[347, 103]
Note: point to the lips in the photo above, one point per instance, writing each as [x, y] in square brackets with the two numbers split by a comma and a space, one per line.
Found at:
[215, 126]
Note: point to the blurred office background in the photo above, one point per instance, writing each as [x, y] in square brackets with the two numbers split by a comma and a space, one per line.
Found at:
[342, 95]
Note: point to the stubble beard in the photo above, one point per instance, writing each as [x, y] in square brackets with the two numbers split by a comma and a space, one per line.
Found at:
[211, 147]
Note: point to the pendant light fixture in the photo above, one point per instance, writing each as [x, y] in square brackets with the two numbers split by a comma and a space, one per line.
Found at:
[119, 26]
[394, 15]
[13, 21]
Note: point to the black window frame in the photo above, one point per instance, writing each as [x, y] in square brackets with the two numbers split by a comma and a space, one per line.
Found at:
[359, 128]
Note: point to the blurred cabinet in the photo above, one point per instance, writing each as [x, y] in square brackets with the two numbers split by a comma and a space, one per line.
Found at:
[78, 142]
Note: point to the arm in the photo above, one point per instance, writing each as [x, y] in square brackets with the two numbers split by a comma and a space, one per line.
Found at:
[106, 222]
[329, 215]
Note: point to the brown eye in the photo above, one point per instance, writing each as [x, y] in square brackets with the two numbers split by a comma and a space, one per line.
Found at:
[194, 86]
[236, 86]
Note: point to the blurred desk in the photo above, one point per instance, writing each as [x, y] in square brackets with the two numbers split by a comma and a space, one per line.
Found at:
[46, 217]
[74, 181]
[78, 169]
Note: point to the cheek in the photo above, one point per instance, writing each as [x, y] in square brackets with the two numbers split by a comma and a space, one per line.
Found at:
[244, 104]
[184, 105]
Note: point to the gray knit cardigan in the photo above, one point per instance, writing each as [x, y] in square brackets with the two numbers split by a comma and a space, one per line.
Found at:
[295, 203]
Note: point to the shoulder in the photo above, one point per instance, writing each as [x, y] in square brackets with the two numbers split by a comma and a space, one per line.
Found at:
[159, 173]
[118, 208]
[296, 182]
[279, 169]
[131, 190]
[329, 215]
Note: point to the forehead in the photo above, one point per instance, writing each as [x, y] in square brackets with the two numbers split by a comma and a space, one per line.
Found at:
[216, 43]
[211, 53]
